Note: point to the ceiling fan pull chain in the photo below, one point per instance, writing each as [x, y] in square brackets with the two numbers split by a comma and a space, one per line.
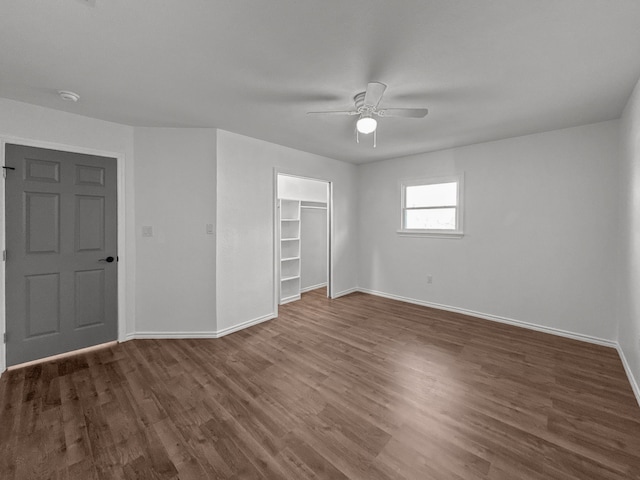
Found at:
[357, 137]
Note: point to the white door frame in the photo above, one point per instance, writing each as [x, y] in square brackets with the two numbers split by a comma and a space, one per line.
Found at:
[276, 234]
[122, 263]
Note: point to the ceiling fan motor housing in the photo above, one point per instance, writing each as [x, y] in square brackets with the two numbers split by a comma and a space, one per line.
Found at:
[359, 99]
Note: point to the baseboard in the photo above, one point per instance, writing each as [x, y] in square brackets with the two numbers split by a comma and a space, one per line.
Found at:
[313, 287]
[346, 292]
[173, 335]
[293, 298]
[627, 369]
[148, 335]
[3, 359]
[247, 324]
[202, 334]
[496, 318]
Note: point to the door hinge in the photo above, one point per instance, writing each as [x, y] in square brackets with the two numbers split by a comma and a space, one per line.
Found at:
[4, 171]
[4, 337]
[4, 255]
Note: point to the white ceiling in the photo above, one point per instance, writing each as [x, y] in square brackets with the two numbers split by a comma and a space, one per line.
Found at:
[486, 69]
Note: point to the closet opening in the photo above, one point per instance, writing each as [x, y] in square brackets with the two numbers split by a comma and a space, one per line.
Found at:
[303, 239]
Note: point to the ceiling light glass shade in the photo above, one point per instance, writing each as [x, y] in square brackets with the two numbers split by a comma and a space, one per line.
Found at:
[366, 124]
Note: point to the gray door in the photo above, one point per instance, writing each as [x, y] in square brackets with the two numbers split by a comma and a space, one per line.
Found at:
[61, 220]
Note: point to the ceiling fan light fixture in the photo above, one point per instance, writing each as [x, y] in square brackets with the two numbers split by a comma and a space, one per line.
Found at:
[366, 108]
[366, 124]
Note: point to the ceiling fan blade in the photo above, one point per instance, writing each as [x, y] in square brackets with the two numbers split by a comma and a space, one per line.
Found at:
[333, 113]
[404, 112]
[374, 93]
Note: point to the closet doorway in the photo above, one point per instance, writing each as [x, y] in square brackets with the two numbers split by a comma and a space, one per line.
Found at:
[303, 226]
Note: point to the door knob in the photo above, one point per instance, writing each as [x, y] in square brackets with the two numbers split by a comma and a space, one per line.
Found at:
[108, 259]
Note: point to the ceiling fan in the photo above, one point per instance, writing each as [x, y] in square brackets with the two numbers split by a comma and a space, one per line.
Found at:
[366, 104]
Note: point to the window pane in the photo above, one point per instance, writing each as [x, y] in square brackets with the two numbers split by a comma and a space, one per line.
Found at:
[436, 195]
[431, 219]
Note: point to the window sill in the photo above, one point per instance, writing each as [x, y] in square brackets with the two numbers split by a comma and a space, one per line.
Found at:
[431, 233]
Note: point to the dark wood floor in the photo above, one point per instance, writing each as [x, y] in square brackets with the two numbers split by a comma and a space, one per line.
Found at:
[360, 387]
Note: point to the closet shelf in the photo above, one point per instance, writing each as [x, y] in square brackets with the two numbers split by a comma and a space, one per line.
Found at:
[290, 258]
[287, 279]
[289, 299]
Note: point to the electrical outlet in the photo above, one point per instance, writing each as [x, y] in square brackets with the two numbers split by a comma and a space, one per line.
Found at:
[429, 278]
[147, 231]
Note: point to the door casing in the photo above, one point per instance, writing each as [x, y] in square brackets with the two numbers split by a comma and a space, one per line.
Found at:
[122, 252]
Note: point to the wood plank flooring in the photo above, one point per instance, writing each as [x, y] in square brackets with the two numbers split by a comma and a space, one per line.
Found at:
[355, 388]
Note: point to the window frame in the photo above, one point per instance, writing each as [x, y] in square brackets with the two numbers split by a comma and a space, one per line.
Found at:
[412, 182]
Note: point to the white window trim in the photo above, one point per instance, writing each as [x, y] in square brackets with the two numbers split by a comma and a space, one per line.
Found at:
[414, 232]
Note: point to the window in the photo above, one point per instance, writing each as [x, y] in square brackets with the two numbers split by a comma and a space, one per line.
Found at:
[432, 206]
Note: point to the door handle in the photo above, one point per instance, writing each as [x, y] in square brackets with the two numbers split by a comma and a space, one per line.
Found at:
[108, 259]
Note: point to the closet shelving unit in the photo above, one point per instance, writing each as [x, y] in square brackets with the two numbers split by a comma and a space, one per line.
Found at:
[289, 250]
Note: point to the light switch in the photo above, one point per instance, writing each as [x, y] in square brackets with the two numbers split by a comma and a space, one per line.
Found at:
[209, 228]
[147, 231]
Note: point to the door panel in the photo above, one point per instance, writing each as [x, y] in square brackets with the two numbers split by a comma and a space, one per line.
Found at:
[89, 293]
[61, 220]
[42, 222]
[43, 304]
[42, 171]
[86, 175]
[89, 223]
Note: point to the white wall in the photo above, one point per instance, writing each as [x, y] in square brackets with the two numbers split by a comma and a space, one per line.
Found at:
[175, 173]
[540, 230]
[313, 247]
[629, 300]
[296, 188]
[51, 128]
[245, 223]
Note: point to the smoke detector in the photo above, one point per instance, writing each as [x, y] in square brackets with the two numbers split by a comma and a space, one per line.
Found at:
[69, 96]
